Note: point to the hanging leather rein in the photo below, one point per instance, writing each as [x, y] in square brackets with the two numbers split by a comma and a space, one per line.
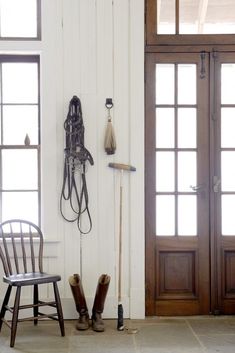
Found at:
[75, 159]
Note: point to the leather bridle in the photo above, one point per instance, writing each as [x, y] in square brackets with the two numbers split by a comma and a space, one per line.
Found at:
[76, 157]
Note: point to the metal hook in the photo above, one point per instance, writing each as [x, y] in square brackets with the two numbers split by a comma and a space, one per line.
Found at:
[109, 103]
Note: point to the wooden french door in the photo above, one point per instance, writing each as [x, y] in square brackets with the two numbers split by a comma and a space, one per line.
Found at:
[190, 183]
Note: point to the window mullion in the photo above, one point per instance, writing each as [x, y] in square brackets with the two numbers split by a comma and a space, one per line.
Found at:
[177, 21]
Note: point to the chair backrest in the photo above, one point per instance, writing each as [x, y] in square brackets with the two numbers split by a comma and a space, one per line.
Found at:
[21, 247]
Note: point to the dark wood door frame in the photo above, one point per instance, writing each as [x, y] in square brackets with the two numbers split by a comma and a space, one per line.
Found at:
[192, 249]
[225, 243]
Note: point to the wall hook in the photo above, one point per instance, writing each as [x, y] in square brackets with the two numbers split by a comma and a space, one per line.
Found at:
[109, 103]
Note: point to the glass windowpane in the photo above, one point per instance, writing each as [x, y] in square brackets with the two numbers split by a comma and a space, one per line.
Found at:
[206, 17]
[187, 128]
[165, 78]
[188, 16]
[228, 219]
[20, 163]
[18, 18]
[220, 17]
[19, 121]
[20, 82]
[187, 171]
[228, 84]
[228, 127]
[166, 17]
[165, 215]
[165, 128]
[228, 171]
[187, 84]
[165, 173]
[187, 215]
[23, 205]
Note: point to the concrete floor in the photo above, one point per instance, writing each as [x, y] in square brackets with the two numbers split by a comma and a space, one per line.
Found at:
[155, 335]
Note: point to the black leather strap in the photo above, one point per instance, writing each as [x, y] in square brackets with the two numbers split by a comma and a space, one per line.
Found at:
[75, 160]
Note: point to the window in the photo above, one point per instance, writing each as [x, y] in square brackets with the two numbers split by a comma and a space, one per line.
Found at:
[195, 16]
[19, 19]
[20, 140]
[190, 22]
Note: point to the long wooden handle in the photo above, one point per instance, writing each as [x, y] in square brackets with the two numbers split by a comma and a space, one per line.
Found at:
[120, 249]
[121, 166]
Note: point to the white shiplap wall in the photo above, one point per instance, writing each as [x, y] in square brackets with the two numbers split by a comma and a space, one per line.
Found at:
[94, 49]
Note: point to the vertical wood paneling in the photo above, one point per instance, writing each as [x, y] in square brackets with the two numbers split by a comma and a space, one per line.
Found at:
[71, 85]
[71, 42]
[105, 211]
[88, 53]
[87, 46]
[94, 49]
[48, 118]
[89, 241]
[136, 150]
[121, 95]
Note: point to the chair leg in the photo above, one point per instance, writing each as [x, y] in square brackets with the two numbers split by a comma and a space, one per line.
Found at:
[4, 304]
[35, 302]
[15, 316]
[59, 308]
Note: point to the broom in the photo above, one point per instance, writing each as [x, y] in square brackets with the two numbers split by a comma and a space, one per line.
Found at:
[109, 140]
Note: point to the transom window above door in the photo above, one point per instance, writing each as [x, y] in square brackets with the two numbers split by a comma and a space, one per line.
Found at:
[195, 16]
[187, 21]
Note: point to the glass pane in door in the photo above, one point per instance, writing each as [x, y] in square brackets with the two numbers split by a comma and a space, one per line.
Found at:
[228, 127]
[187, 84]
[187, 128]
[165, 83]
[228, 219]
[187, 171]
[228, 83]
[187, 215]
[165, 171]
[165, 127]
[228, 171]
[165, 215]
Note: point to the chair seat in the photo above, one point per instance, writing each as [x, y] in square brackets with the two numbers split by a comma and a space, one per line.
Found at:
[26, 279]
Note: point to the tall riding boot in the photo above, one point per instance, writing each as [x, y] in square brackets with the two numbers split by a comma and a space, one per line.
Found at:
[80, 302]
[98, 306]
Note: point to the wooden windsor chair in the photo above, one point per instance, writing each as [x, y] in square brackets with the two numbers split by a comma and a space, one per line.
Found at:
[21, 252]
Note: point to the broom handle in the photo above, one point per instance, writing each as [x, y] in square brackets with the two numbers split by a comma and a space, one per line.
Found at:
[120, 242]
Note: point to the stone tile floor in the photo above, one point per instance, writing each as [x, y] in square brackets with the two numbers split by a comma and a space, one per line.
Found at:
[197, 334]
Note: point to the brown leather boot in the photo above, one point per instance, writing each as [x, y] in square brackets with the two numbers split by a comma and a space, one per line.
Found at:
[80, 302]
[98, 306]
